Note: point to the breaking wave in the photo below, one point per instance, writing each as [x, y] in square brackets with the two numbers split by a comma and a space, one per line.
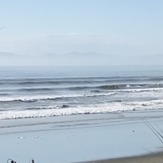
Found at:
[107, 108]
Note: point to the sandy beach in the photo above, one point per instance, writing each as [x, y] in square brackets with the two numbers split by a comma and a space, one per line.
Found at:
[82, 138]
[151, 158]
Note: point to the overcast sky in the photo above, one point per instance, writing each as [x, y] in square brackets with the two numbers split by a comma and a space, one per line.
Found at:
[81, 32]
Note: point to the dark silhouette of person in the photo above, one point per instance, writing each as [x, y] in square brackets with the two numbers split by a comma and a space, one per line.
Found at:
[12, 161]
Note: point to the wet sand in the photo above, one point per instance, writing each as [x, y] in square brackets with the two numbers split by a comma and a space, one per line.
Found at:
[82, 138]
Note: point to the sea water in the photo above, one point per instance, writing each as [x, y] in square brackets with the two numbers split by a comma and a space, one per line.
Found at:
[28, 92]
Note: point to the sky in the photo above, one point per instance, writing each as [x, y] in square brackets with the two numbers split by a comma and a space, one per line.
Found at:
[81, 32]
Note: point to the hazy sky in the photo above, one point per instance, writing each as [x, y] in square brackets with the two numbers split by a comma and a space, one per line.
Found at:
[81, 32]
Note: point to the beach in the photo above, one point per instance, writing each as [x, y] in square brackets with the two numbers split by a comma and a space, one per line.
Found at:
[150, 158]
[82, 138]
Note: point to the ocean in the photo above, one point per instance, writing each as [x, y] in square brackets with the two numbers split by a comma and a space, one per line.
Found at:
[29, 92]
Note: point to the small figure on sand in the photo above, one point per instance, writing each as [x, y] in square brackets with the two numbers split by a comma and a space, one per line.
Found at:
[12, 161]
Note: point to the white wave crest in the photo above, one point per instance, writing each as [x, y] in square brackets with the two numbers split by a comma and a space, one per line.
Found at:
[110, 107]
